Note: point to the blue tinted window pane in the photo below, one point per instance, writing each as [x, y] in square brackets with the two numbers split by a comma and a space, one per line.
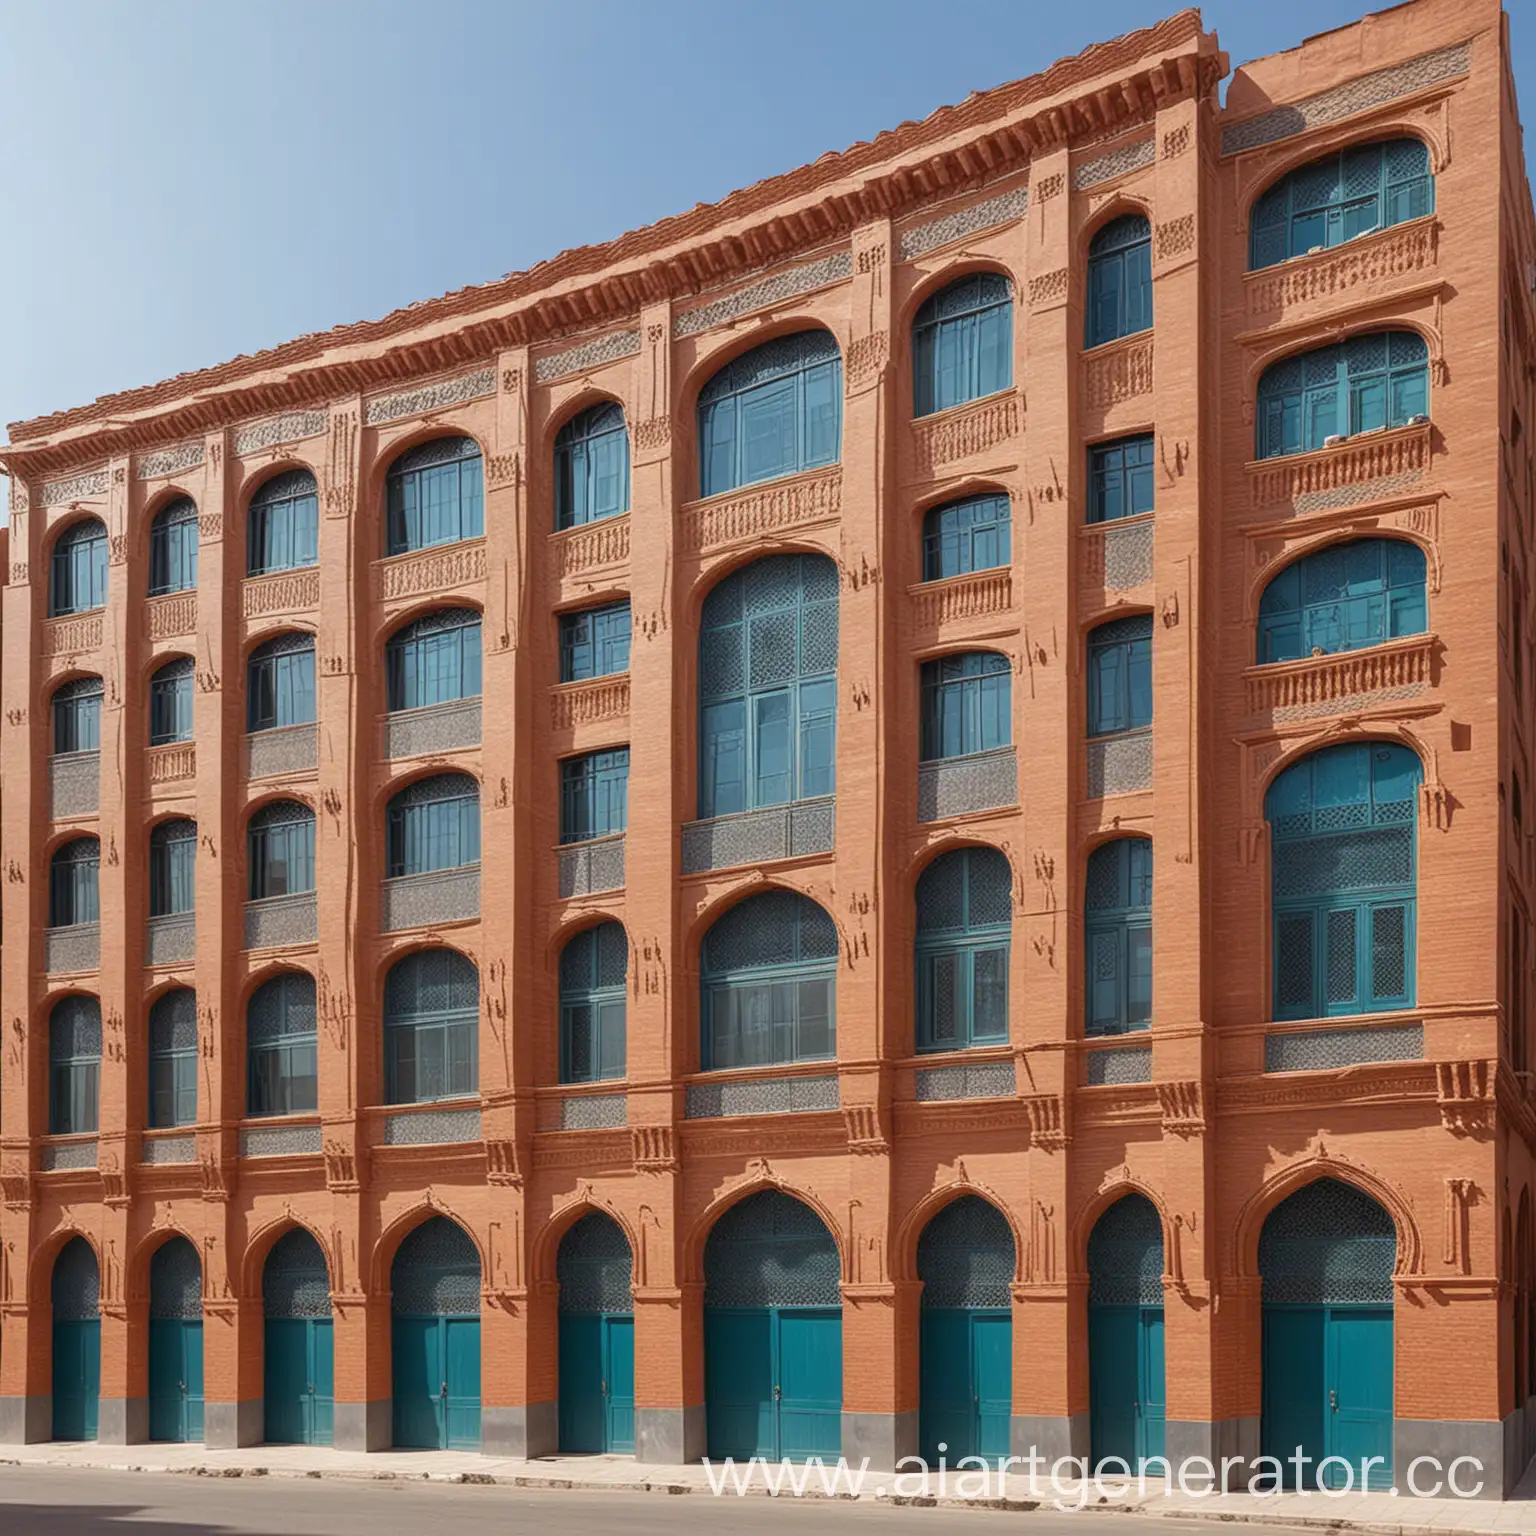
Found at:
[1120, 479]
[592, 467]
[594, 643]
[1342, 598]
[1120, 676]
[594, 795]
[1119, 280]
[971, 535]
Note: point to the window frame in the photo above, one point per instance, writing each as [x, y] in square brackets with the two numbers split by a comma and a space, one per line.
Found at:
[172, 1074]
[286, 1060]
[417, 470]
[78, 558]
[401, 837]
[1133, 684]
[962, 946]
[80, 891]
[1119, 276]
[75, 716]
[275, 672]
[953, 530]
[173, 541]
[606, 1005]
[170, 694]
[1114, 480]
[173, 867]
[594, 795]
[296, 832]
[592, 444]
[451, 1030]
[1128, 927]
[74, 1078]
[962, 333]
[972, 689]
[283, 510]
[591, 642]
[411, 665]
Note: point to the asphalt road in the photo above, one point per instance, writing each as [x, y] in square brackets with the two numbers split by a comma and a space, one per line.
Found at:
[81, 1502]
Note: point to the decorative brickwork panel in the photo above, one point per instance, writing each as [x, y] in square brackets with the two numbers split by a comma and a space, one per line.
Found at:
[285, 749]
[169, 461]
[1119, 765]
[71, 636]
[72, 949]
[432, 1127]
[965, 431]
[59, 493]
[794, 502]
[74, 784]
[1340, 683]
[419, 901]
[431, 397]
[604, 698]
[432, 728]
[1118, 556]
[1359, 95]
[285, 592]
[975, 595]
[158, 1150]
[586, 868]
[281, 920]
[1369, 468]
[957, 785]
[770, 290]
[596, 547]
[1407, 251]
[1118, 162]
[1121, 372]
[170, 939]
[755, 837]
[978, 1080]
[590, 354]
[762, 1096]
[281, 1141]
[170, 618]
[1129, 1064]
[594, 1112]
[169, 763]
[68, 1154]
[1327, 1050]
[292, 427]
[430, 571]
[988, 214]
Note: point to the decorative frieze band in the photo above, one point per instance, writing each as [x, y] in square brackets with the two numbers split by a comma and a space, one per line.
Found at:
[1344, 100]
[577, 551]
[590, 354]
[433, 570]
[431, 397]
[169, 461]
[965, 430]
[769, 290]
[787, 503]
[59, 493]
[1002, 209]
[290, 427]
[1128, 157]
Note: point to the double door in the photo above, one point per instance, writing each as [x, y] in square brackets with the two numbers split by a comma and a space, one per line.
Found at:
[967, 1383]
[300, 1403]
[437, 1383]
[773, 1382]
[1128, 1398]
[175, 1379]
[597, 1382]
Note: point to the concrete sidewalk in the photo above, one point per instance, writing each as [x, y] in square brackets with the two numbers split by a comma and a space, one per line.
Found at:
[1385, 1513]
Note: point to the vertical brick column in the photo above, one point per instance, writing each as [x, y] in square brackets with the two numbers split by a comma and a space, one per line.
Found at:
[1050, 1378]
[25, 1313]
[517, 1391]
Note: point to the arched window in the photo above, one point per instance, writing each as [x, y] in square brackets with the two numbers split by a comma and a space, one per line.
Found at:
[173, 1059]
[172, 867]
[963, 536]
[74, 1066]
[594, 642]
[594, 795]
[592, 466]
[1120, 280]
[773, 411]
[1344, 880]
[280, 686]
[1355, 192]
[1380, 380]
[593, 966]
[170, 702]
[77, 716]
[434, 660]
[1120, 478]
[283, 524]
[962, 343]
[966, 705]
[769, 971]
[1342, 598]
[431, 1006]
[434, 824]
[72, 883]
[79, 569]
[173, 548]
[1120, 676]
[435, 494]
[280, 844]
[964, 922]
[281, 1045]
[1117, 937]
[768, 685]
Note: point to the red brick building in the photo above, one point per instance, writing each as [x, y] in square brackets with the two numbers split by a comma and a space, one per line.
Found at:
[921, 765]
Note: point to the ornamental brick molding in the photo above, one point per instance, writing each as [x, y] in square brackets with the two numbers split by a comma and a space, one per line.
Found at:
[170, 461]
[867, 357]
[966, 431]
[979, 594]
[430, 571]
[596, 353]
[1337, 684]
[573, 704]
[1465, 1093]
[1049, 288]
[1372, 467]
[290, 427]
[172, 617]
[1183, 1107]
[82, 487]
[598, 546]
[788, 284]
[71, 637]
[1121, 372]
[1118, 162]
[1117, 556]
[1176, 237]
[431, 397]
[987, 214]
[286, 592]
[170, 763]
[1371, 262]
[792, 503]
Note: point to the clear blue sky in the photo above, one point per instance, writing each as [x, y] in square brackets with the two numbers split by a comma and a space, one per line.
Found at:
[189, 179]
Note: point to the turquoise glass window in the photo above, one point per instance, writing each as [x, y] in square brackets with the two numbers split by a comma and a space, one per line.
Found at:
[73, 876]
[283, 524]
[173, 548]
[78, 570]
[434, 824]
[593, 967]
[1120, 676]
[594, 642]
[280, 850]
[964, 924]
[172, 867]
[1119, 280]
[170, 703]
[1117, 937]
[594, 795]
[173, 1059]
[1363, 188]
[592, 467]
[434, 660]
[966, 704]
[962, 343]
[435, 494]
[74, 1066]
[77, 716]
[1120, 478]
[964, 536]
[431, 1013]
[282, 1047]
[1342, 598]
[280, 687]
[773, 411]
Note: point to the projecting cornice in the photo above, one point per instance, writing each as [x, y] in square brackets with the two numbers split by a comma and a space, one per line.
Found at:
[992, 136]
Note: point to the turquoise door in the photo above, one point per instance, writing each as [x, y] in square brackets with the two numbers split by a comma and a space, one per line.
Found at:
[966, 1394]
[437, 1383]
[619, 1382]
[299, 1395]
[76, 1378]
[1360, 1389]
[597, 1338]
[175, 1379]
[773, 1381]
[810, 1382]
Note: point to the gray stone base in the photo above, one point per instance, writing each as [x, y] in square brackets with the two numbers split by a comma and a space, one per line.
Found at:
[1232, 1440]
[530, 1429]
[26, 1420]
[1445, 1440]
[885, 1438]
[364, 1426]
[228, 1426]
[1051, 1437]
[122, 1420]
[670, 1435]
